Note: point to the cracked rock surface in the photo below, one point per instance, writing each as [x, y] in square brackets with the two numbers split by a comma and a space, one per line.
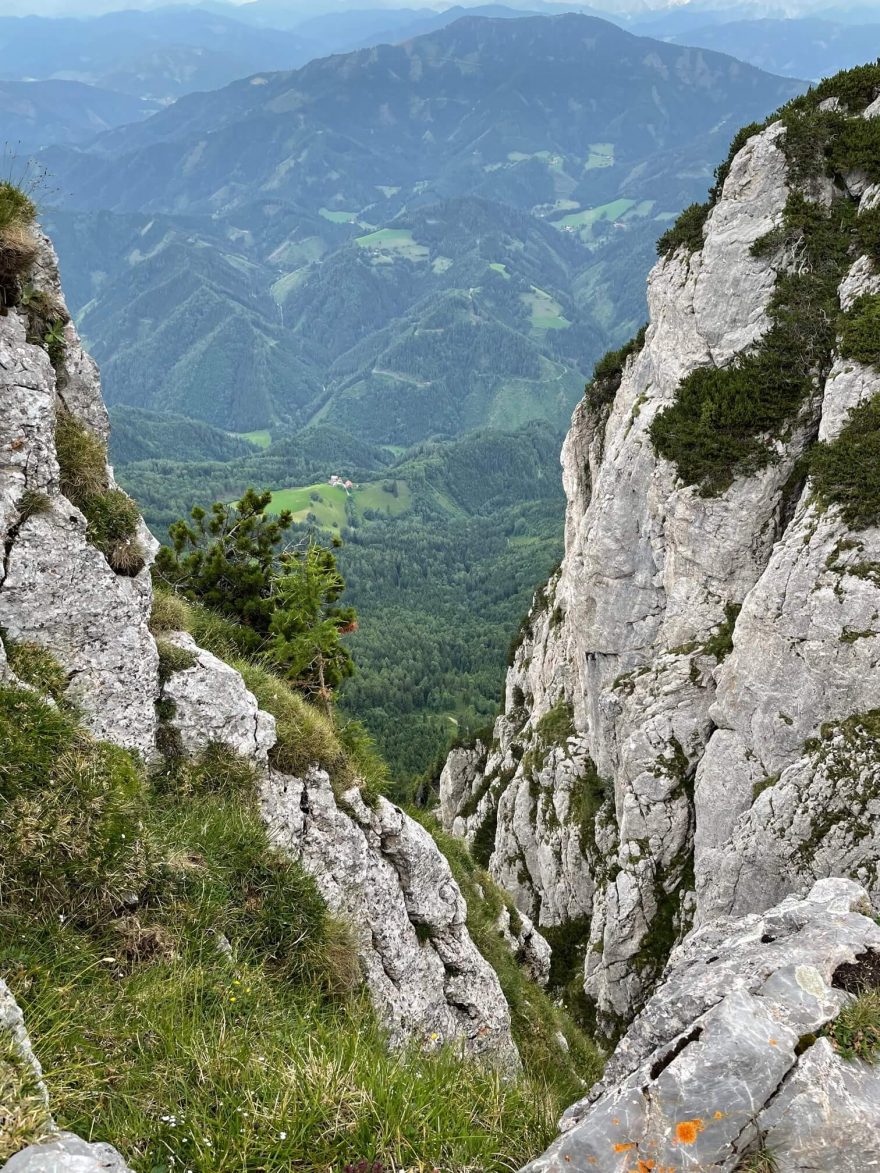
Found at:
[384, 874]
[728, 1056]
[212, 705]
[56, 589]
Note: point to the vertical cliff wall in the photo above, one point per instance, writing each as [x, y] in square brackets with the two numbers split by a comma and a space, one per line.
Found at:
[690, 717]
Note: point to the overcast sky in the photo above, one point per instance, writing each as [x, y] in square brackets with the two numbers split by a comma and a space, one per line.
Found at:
[867, 9]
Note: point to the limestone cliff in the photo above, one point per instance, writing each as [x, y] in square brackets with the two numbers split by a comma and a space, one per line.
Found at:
[690, 718]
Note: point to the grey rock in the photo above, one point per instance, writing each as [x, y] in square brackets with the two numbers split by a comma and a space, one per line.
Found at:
[650, 572]
[60, 592]
[212, 705]
[67, 1153]
[12, 1027]
[55, 588]
[724, 1057]
[382, 872]
[531, 949]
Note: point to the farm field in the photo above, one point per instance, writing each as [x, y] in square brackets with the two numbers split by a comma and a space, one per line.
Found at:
[545, 310]
[327, 503]
[394, 241]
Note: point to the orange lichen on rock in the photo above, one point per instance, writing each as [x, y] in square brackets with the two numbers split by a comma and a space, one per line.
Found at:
[687, 1131]
[719, 1116]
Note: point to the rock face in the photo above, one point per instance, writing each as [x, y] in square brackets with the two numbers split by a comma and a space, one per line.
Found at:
[56, 589]
[689, 725]
[212, 705]
[67, 1153]
[383, 872]
[728, 1059]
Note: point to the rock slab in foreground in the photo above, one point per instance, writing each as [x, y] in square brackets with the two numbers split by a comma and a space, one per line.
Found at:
[383, 873]
[725, 1056]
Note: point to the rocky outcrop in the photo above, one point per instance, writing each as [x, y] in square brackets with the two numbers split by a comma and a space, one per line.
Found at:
[56, 589]
[212, 705]
[734, 1054]
[67, 1153]
[383, 873]
[690, 725]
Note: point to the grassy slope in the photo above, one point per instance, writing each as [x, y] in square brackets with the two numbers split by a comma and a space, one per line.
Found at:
[330, 511]
[266, 1057]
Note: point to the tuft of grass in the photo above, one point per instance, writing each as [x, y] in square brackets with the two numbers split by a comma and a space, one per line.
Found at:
[762, 1160]
[24, 1117]
[846, 471]
[18, 246]
[35, 666]
[31, 503]
[169, 611]
[172, 659]
[215, 1021]
[16, 207]
[855, 1033]
[113, 518]
[82, 459]
[306, 735]
[720, 643]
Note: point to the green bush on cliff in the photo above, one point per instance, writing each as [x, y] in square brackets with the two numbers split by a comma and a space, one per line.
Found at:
[860, 331]
[846, 471]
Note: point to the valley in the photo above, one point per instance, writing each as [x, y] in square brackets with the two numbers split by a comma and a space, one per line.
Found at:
[402, 262]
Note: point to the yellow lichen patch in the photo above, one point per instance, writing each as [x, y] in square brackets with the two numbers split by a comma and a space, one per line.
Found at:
[687, 1131]
[719, 1116]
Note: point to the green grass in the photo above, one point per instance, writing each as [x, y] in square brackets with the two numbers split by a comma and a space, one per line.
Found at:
[397, 241]
[546, 312]
[855, 1032]
[338, 217]
[261, 438]
[264, 1055]
[584, 221]
[601, 155]
[113, 518]
[329, 510]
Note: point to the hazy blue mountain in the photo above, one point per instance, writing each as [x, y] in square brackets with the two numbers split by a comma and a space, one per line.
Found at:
[39, 113]
[158, 55]
[412, 241]
[805, 47]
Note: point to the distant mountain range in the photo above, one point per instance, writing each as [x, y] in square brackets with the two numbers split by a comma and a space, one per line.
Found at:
[410, 240]
[798, 48]
[155, 55]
